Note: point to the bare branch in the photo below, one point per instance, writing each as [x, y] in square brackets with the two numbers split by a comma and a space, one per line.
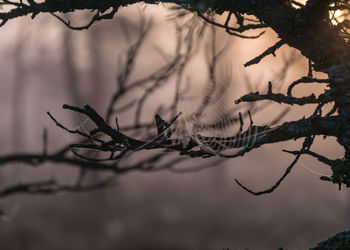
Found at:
[270, 50]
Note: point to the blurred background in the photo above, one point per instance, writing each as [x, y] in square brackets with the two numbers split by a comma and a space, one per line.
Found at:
[44, 65]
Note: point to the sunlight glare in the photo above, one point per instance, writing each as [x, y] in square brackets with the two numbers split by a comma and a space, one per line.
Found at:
[336, 16]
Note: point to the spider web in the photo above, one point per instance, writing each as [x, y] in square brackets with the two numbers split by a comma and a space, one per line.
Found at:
[212, 119]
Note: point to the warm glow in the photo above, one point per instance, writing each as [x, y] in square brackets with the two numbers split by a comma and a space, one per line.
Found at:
[295, 4]
[336, 16]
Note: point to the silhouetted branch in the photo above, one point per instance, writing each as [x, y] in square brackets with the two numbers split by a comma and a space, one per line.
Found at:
[321, 38]
[271, 50]
[306, 145]
[305, 80]
[97, 17]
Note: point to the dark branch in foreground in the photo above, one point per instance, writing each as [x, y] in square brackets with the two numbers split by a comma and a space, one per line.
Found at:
[312, 28]
[321, 38]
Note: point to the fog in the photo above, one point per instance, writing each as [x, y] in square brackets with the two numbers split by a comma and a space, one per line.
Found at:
[44, 65]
